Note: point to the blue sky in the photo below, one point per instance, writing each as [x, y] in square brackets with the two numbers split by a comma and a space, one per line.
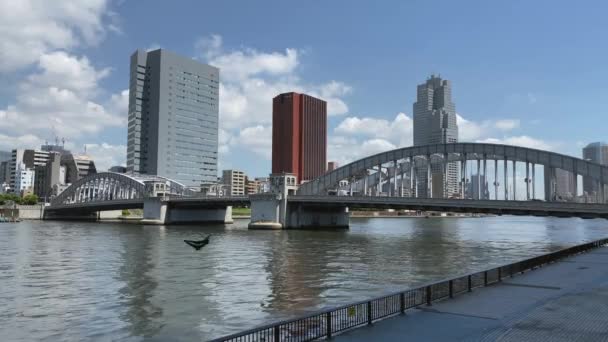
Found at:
[523, 72]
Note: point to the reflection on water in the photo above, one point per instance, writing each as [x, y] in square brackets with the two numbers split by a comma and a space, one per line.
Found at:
[76, 281]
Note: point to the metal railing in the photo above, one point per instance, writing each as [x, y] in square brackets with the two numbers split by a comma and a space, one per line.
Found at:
[326, 323]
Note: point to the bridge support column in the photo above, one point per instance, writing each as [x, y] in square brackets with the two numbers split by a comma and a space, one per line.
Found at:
[478, 192]
[412, 178]
[155, 211]
[445, 176]
[534, 184]
[401, 187]
[429, 178]
[463, 177]
[485, 177]
[527, 181]
[506, 179]
[394, 187]
[495, 179]
[379, 185]
[514, 180]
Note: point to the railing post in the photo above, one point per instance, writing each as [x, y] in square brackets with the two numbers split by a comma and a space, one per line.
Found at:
[328, 319]
[470, 283]
[451, 288]
[402, 302]
[369, 312]
[485, 278]
[277, 333]
[429, 295]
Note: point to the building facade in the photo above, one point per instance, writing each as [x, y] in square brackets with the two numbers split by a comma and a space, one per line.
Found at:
[5, 156]
[77, 167]
[24, 179]
[48, 175]
[299, 135]
[596, 152]
[332, 165]
[435, 123]
[118, 169]
[173, 117]
[30, 160]
[235, 182]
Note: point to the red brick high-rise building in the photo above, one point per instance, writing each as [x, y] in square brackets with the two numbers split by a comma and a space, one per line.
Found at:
[299, 135]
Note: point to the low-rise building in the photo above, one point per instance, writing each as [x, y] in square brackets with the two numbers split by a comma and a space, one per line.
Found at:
[24, 179]
[235, 180]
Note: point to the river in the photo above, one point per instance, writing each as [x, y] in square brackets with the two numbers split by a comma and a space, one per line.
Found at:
[71, 281]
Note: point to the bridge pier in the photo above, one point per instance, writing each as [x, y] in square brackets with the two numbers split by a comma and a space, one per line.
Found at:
[159, 211]
[302, 217]
[269, 211]
[71, 215]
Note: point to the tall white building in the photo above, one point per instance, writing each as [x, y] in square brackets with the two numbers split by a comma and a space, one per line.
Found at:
[435, 123]
[173, 117]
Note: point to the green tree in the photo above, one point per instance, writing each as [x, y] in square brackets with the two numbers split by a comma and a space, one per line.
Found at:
[29, 200]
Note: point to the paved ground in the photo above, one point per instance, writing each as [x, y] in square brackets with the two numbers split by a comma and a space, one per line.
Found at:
[565, 301]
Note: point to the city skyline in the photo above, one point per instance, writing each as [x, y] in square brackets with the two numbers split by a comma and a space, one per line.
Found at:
[80, 93]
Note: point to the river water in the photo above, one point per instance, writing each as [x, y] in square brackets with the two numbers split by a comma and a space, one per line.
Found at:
[68, 281]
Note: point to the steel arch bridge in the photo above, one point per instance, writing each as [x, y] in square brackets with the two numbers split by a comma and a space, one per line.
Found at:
[404, 165]
[110, 186]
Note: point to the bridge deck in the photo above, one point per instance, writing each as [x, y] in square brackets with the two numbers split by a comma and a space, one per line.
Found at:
[564, 301]
[537, 208]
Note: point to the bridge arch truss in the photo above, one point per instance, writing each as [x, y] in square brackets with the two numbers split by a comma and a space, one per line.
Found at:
[108, 186]
[402, 169]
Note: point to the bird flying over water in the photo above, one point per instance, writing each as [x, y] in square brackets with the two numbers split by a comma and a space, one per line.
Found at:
[198, 244]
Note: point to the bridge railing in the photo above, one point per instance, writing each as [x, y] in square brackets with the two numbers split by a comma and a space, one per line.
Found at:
[326, 323]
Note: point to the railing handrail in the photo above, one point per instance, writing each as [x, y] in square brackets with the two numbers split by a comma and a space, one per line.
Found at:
[323, 311]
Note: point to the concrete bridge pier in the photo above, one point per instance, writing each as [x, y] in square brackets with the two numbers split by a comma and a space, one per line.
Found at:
[273, 210]
[71, 215]
[269, 211]
[159, 211]
[304, 216]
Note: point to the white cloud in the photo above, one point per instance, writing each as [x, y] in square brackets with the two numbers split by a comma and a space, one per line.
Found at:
[31, 28]
[257, 139]
[242, 64]
[107, 155]
[522, 140]
[506, 124]
[399, 130]
[10, 142]
[468, 130]
[250, 79]
[358, 137]
[344, 149]
[60, 97]
[471, 130]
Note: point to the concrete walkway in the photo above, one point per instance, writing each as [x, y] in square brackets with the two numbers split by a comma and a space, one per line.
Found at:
[564, 301]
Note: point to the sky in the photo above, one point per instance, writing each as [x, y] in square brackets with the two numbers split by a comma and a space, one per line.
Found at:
[529, 73]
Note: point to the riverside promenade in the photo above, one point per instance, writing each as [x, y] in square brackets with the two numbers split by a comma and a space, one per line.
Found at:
[562, 301]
